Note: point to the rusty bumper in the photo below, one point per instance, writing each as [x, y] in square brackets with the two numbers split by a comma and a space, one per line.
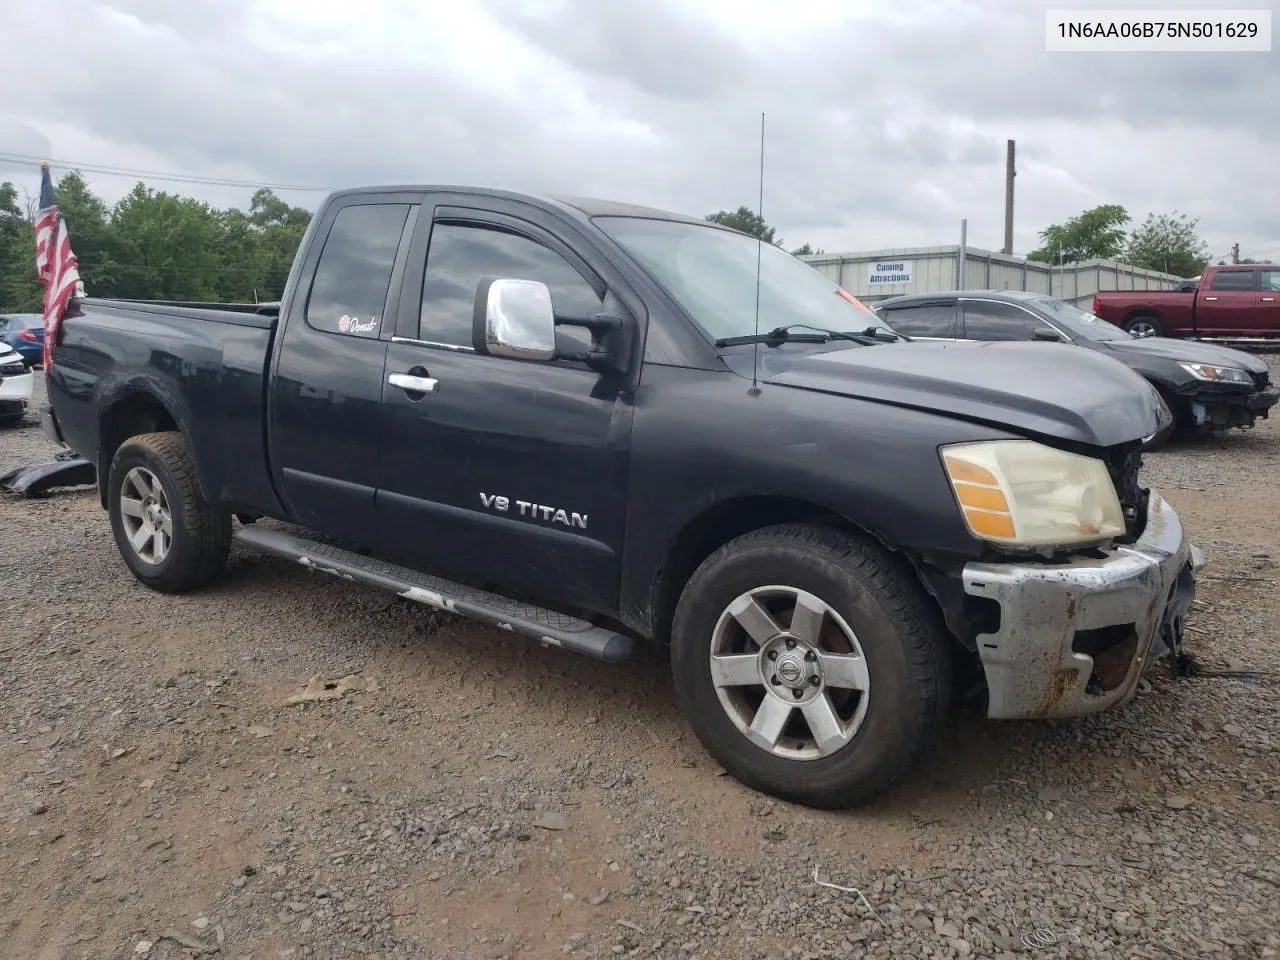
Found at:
[1075, 637]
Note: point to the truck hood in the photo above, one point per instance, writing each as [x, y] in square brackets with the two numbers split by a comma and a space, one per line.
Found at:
[1038, 388]
[1187, 351]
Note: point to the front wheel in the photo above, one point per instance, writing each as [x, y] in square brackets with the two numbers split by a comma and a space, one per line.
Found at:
[170, 537]
[809, 665]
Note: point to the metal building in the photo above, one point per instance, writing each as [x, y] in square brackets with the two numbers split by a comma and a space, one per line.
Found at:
[876, 274]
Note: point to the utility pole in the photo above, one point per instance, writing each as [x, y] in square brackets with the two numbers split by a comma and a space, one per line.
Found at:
[1009, 174]
[1235, 253]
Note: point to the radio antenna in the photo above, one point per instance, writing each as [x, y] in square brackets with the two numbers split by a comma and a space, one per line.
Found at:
[755, 352]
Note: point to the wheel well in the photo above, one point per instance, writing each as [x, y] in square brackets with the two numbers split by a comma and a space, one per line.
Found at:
[1141, 312]
[716, 527]
[128, 417]
[1171, 399]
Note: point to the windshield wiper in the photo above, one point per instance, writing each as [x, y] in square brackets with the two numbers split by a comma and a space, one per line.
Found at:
[868, 337]
[776, 335]
[883, 334]
[783, 334]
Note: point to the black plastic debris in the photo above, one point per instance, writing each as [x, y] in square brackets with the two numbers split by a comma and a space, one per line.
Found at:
[67, 469]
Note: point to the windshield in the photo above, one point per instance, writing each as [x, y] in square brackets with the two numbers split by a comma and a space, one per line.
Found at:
[1076, 322]
[711, 273]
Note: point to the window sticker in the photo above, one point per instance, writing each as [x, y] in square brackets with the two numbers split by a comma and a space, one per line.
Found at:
[350, 324]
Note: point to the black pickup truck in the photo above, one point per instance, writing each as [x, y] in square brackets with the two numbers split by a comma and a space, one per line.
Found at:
[556, 416]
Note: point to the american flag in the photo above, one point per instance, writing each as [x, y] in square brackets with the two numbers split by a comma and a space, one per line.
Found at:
[56, 266]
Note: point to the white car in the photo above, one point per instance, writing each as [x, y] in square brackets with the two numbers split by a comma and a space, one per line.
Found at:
[16, 382]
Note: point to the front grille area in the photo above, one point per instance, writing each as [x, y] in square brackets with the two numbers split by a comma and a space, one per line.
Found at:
[12, 368]
[1262, 380]
[1124, 464]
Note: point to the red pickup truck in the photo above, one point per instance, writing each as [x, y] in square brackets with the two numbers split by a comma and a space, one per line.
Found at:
[1230, 301]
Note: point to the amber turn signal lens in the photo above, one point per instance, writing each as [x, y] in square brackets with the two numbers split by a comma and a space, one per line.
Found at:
[985, 524]
[965, 472]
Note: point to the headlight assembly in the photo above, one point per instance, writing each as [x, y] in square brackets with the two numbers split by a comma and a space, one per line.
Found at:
[1205, 371]
[1023, 494]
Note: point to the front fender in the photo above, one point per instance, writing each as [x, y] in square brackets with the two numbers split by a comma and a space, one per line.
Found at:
[703, 439]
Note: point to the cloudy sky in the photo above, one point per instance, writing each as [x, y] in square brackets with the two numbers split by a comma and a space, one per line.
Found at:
[886, 122]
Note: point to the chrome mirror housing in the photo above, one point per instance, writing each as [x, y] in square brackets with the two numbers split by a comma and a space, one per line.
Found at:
[514, 318]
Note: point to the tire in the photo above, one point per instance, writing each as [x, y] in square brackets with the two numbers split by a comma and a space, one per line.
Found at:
[1144, 325]
[905, 664]
[199, 536]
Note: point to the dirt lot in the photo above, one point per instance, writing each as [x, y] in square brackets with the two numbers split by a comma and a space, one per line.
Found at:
[483, 797]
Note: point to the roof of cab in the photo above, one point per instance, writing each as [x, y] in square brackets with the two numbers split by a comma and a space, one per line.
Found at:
[586, 207]
[1007, 295]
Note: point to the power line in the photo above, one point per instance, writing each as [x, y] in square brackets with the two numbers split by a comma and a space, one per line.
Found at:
[1268, 252]
[112, 171]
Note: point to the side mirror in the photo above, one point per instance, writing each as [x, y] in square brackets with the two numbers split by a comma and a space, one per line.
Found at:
[1044, 333]
[514, 318]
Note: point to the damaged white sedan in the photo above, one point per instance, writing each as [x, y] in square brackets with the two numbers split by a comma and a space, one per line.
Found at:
[16, 381]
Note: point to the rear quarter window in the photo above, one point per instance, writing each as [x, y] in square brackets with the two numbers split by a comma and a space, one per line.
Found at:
[349, 292]
[1233, 280]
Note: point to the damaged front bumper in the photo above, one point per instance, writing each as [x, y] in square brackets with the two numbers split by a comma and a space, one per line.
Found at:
[1074, 638]
[1221, 411]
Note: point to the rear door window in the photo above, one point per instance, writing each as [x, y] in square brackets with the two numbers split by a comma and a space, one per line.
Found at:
[935, 320]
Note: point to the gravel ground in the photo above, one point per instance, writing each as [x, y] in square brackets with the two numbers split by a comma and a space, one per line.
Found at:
[475, 796]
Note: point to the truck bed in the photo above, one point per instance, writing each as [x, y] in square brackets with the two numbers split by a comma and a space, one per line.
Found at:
[199, 309]
[208, 363]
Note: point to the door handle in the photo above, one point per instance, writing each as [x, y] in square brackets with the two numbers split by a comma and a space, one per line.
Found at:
[1268, 299]
[412, 383]
[1211, 298]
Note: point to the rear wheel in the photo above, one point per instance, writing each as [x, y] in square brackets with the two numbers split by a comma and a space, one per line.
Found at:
[809, 665]
[169, 536]
[1145, 325]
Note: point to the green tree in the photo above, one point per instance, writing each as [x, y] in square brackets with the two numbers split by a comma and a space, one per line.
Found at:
[169, 246]
[242, 275]
[1096, 234]
[92, 239]
[805, 250]
[19, 290]
[746, 221]
[281, 228]
[1168, 243]
[155, 245]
